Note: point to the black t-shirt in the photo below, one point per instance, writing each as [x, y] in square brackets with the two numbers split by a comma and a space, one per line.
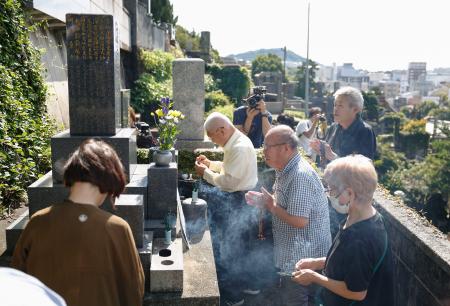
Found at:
[354, 255]
[358, 138]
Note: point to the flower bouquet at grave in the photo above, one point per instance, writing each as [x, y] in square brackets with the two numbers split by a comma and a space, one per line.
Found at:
[167, 120]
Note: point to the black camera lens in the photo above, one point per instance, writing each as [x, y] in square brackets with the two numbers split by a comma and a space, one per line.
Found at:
[253, 101]
[322, 118]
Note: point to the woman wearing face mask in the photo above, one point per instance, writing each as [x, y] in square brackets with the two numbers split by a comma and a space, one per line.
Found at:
[358, 266]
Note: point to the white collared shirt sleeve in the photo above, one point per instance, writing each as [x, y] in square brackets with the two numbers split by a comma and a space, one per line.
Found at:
[215, 166]
[238, 171]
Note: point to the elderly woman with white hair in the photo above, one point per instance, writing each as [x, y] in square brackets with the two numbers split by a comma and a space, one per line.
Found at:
[349, 134]
[358, 266]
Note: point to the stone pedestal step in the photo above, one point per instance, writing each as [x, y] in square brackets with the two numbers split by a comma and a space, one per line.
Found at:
[14, 230]
[45, 192]
[166, 270]
[63, 144]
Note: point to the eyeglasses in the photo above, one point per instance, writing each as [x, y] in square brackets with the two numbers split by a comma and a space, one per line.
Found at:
[268, 146]
[331, 191]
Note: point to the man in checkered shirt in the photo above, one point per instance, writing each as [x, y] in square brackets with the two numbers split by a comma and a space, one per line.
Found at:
[301, 224]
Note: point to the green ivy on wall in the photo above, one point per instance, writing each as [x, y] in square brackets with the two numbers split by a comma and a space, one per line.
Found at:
[25, 128]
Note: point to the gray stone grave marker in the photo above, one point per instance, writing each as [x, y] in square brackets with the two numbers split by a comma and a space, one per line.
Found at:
[93, 59]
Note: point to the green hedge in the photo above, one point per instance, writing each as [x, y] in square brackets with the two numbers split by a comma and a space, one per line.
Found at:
[25, 128]
[186, 158]
[227, 110]
[214, 99]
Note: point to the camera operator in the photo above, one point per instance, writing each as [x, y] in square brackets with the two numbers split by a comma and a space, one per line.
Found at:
[306, 130]
[253, 119]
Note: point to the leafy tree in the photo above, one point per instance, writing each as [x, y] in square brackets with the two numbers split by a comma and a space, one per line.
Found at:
[300, 78]
[232, 80]
[187, 40]
[414, 126]
[371, 108]
[423, 109]
[162, 11]
[440, 113]
[266, 63]
[408, 111]
[154, 83]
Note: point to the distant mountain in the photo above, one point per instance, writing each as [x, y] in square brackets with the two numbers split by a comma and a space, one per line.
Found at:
[251, 55]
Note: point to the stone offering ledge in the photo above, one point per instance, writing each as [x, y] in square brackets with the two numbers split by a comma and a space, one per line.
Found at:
[421, 254]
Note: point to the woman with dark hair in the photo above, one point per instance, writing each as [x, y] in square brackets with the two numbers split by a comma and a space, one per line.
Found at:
[84, 253]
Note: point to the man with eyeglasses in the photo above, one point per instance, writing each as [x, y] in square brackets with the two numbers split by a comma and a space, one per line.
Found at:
[228, 215]
[301, 224]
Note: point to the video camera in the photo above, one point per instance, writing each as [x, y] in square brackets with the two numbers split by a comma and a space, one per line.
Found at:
[322, 118]
[259, 93]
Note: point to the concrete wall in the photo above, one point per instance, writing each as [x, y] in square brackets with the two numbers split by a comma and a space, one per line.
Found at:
[136, 30]
[55, 62]
[421, 256]
[149, 36]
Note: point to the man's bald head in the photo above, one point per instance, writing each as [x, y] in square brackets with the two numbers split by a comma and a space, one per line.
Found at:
[217, 120]
[283, 134]
[219, 128]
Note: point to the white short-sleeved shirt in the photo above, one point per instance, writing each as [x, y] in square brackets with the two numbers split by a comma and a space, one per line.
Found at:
[303, 126]
[238, 170]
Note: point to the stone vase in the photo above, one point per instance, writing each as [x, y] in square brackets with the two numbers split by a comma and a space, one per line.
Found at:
[162, 158]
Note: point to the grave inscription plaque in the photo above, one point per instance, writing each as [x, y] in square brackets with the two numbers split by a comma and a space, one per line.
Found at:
[93, 73]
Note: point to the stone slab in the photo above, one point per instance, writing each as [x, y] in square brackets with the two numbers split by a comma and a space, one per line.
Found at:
[45, 192]
[200, 285]
[14, 230]
[162, 190]
[145, 254]
[64, 144]
[130, 207]
[166, 272]
[189, 96]
[93, 61]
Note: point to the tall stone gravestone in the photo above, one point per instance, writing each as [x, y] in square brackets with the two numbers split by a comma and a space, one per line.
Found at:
[93, 58]
[95, 107]
[189, 98]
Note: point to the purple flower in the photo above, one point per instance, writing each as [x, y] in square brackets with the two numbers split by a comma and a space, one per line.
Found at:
[165, 110]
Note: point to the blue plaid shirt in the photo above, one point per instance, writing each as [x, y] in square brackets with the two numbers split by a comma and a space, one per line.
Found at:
[299, 191]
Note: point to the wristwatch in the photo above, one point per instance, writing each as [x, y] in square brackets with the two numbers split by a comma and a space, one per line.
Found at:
[265, 114]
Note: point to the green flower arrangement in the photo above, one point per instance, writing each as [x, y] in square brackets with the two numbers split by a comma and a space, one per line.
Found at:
[167, 120]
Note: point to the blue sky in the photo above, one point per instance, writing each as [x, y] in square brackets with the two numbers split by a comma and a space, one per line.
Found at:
[372, 34]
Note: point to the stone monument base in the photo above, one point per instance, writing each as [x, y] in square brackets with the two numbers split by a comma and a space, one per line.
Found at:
[63, 144]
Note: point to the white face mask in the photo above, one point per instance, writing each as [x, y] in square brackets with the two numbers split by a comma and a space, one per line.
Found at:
[342, 209]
